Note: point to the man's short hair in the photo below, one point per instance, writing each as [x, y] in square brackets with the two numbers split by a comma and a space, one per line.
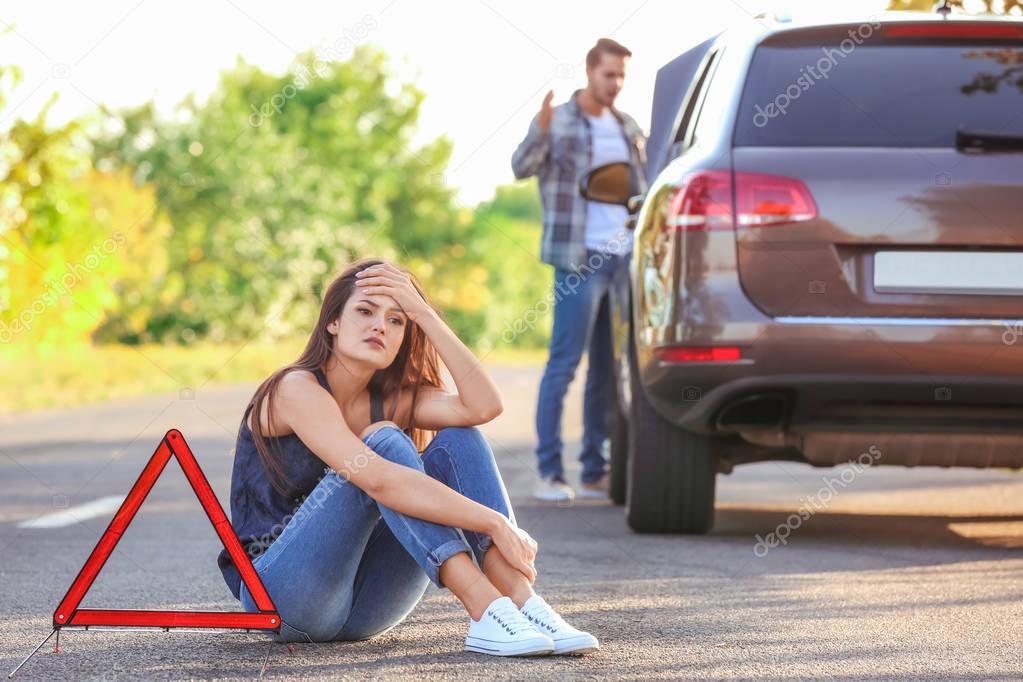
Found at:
[605, 46]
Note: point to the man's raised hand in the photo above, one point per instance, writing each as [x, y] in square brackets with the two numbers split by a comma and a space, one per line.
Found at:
[546, 112]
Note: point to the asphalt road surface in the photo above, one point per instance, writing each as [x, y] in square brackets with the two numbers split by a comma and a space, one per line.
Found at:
[899, 573]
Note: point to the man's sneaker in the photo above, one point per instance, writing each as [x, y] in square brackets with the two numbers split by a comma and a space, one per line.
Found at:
[554, 489]
[596, 490]
[567, 639]
[503, 631]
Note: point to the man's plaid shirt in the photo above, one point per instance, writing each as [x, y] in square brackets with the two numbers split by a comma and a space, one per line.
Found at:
[559, 158]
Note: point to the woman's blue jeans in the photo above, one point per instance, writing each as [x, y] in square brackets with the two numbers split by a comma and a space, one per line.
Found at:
[348, 568]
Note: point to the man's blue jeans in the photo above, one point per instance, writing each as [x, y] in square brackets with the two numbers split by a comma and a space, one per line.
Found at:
[348, 568]
[582, 318]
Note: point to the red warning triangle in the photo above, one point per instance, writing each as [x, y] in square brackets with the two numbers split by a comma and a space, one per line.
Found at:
[68, 613]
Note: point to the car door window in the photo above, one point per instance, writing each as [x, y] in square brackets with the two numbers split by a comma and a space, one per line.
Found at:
[684, 133]
[712, 109]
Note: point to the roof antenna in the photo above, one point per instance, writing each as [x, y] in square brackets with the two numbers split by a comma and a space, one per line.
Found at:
[943, 9]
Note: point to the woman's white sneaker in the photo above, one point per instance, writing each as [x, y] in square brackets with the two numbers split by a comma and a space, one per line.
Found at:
[502, 630]
[567, 639]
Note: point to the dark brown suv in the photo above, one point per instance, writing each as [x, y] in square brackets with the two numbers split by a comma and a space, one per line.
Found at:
[828, 266]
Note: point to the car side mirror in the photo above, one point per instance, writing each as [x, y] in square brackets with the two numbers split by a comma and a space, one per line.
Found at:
[608, 184]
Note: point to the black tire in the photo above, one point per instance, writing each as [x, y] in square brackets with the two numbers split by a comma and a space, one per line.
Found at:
[618, 425]
[671, 471]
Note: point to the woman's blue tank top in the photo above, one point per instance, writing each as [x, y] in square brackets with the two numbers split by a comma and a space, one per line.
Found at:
[259, 512]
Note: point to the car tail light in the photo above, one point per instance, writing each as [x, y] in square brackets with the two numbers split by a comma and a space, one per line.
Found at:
[953, 30]
[698, 353]
[767, 200]
[704, 202]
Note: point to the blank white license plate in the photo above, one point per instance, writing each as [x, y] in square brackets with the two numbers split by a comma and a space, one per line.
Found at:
[949, 272]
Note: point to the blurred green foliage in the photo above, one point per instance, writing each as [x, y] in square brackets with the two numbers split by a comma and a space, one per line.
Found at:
[224, 220]
[272, 185]
[65, 257]
[990, 6]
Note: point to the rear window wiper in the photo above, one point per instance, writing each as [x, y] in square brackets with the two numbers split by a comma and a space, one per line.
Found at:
[979, 141]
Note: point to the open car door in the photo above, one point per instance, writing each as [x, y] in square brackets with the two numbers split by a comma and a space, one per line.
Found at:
[672, 87]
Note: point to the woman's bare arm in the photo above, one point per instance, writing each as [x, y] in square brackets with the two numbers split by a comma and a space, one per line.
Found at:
[316, 419]
[478, 399]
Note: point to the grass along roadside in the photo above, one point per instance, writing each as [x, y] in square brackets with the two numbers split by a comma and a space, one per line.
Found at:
[63, 377]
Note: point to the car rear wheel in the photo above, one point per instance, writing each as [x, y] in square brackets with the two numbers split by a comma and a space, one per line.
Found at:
[671, 472]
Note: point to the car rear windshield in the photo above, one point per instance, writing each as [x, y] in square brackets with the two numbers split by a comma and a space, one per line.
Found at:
[880, 93]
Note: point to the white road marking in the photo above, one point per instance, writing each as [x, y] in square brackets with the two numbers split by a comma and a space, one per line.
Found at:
[73, 515]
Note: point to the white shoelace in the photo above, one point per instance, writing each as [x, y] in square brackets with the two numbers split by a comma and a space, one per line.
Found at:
[510, 618]
[546, 617]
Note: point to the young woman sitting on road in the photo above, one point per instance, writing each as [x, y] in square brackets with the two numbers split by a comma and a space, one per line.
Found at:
[347, 531]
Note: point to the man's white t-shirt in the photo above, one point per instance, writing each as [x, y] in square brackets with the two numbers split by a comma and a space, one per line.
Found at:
[604, 222]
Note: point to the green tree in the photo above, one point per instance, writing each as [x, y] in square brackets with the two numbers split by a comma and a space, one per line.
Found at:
[274, 183]
[507, 245]
[62, 253]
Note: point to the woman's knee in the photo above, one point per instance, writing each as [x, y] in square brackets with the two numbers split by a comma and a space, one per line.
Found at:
[466, 446]
[463, 439]
[393, 444]
[375, 426]
[462, 457]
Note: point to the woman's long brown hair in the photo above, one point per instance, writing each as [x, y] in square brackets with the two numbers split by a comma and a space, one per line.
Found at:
[414, 366]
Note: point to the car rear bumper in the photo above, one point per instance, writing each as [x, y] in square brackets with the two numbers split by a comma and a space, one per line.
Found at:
[842, 374]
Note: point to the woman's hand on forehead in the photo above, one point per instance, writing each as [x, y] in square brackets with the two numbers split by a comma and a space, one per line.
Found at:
[386, 280]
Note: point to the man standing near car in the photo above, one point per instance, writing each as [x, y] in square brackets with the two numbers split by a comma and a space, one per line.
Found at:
[586, 242]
